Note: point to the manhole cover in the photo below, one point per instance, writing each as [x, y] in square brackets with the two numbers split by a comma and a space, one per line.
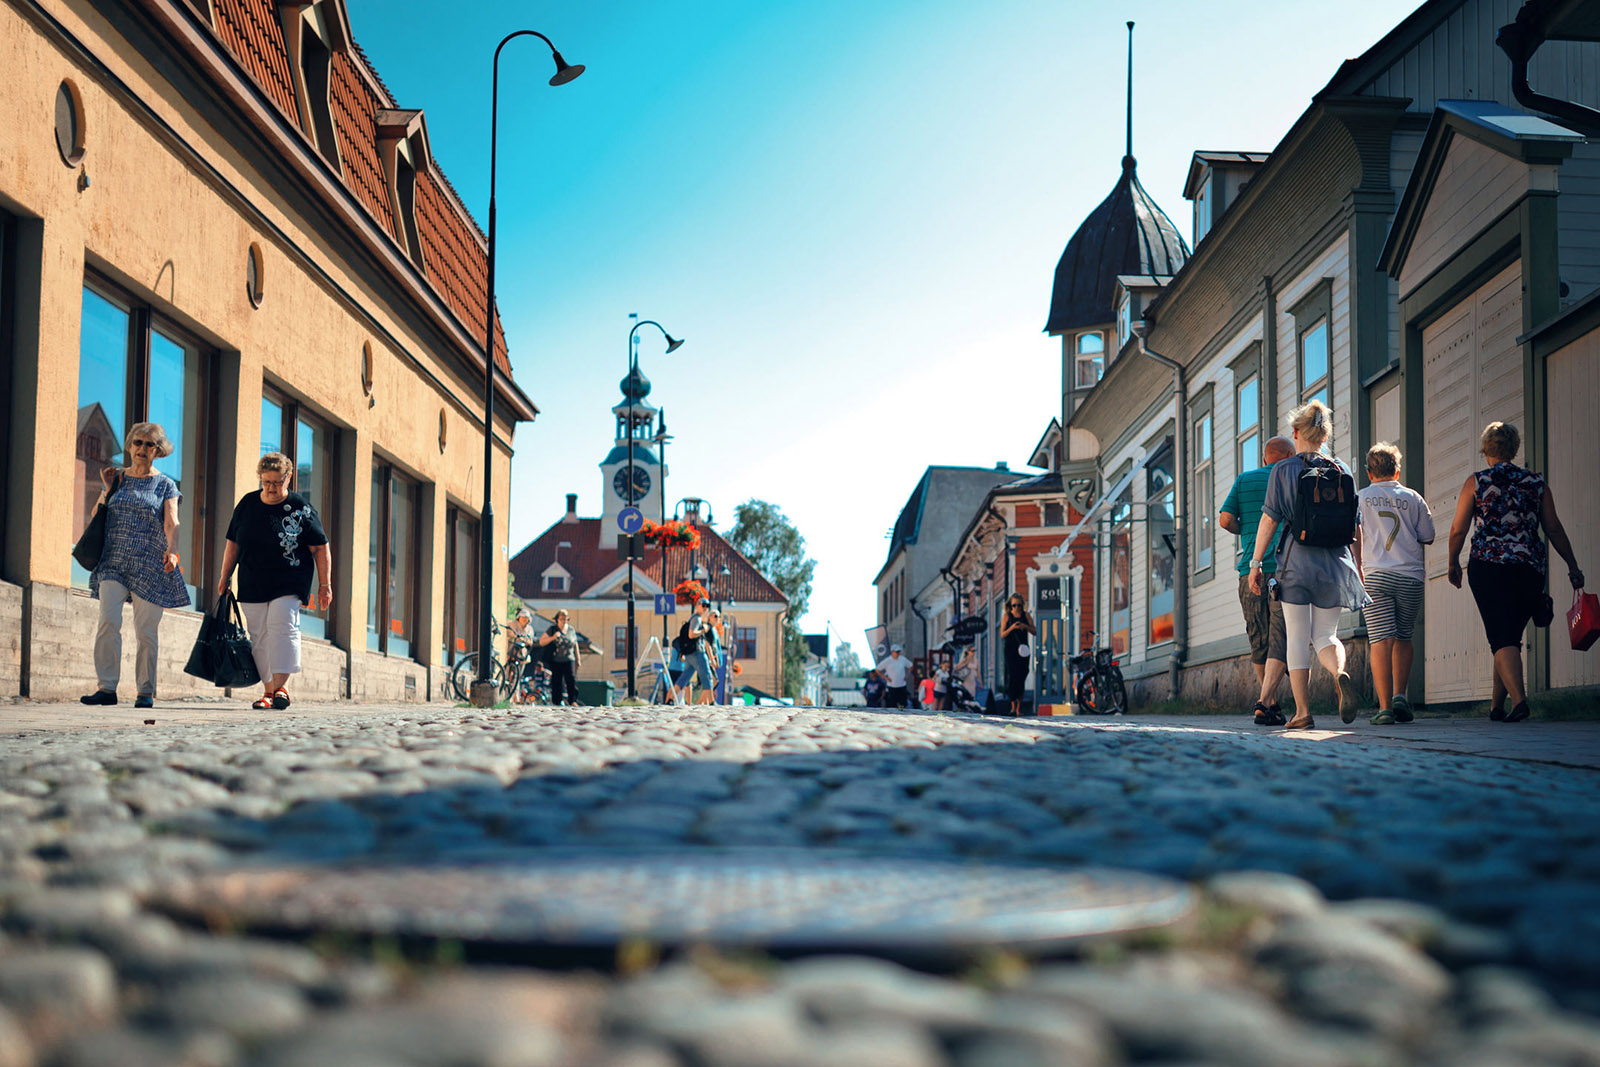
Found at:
[781, 899]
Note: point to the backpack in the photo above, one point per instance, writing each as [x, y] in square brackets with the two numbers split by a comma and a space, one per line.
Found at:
[686, 645]
[1324, 505]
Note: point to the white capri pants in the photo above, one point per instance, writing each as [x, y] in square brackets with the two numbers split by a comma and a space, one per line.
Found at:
[274, 635]
[1307, 628]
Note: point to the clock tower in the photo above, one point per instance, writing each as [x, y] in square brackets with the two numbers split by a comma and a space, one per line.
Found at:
[641, 485]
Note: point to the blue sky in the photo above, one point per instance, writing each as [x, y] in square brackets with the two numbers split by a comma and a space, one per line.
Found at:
[851, 211]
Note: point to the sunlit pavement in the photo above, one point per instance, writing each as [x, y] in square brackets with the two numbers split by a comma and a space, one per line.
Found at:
[1418, 893]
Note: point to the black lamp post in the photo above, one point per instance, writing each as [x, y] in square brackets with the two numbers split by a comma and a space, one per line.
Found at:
[673, 344]
[483, 689]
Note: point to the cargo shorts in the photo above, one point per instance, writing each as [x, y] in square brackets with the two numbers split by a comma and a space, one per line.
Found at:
[1263, 623]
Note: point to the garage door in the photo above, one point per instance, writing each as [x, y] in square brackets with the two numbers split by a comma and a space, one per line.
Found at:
[1572, 384]
[1471, 375]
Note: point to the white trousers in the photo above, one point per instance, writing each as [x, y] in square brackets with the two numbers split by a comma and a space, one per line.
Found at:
[274, 635]
[1307, 628]
[108, 639]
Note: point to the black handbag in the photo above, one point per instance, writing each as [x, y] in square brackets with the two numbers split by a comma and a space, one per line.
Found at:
[92, 545]
[222, 652]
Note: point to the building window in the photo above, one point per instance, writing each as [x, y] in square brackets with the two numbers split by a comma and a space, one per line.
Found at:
[1160, 489]
[1091, 359]
[1247, 442]
[1202, 211]
[555, 583]
[1124, 321]
[461, 584]
[1054, 514]
[133, 367]
[619, 642]
[1203, 508]
[69, 124]
[312, 445]
[1121, 597]
[1313, 317]
[316, 80]
[744, 642]
[393, 561]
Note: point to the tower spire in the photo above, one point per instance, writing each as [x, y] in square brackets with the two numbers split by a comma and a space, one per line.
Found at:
[1127, 156]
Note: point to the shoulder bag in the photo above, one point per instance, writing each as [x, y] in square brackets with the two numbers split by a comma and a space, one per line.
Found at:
[222, 653]
[92, 545]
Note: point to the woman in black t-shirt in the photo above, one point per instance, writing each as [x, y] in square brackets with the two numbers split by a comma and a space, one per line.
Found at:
[274, 538]
[561, 656]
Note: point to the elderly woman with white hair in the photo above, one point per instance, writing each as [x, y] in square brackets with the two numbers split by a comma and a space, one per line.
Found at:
[139, 563]
[274, 538]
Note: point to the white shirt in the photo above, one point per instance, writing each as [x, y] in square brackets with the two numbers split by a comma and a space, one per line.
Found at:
[895, 669]
[1395, 524]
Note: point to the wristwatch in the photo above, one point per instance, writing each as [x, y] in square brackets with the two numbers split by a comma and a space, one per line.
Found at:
[1255, 564]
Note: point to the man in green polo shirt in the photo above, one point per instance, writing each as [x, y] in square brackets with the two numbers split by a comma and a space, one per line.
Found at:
[1263, 616]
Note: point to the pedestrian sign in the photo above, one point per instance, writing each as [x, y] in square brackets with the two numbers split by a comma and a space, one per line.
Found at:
[630, 520]
[666, 603]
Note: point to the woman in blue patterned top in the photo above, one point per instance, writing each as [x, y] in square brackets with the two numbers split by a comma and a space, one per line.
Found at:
[1506, 568]
[139, 563]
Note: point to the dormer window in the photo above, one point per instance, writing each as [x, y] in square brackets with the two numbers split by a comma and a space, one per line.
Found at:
[312, 33]
[403, 142]
[555, 583]
[1091, 360]
[1125, 320]
[1202, 211]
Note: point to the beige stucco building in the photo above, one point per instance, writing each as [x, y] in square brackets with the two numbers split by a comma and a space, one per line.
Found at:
[214, 215]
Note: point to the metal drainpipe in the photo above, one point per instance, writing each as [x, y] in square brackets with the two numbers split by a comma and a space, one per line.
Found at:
[1520, 41]
[1180, 526]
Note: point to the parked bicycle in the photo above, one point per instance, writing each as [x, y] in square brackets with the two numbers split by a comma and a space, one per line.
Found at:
[1100, 689]
[520, 677]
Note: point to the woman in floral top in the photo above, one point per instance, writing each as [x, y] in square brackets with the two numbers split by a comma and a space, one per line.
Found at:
[139, 563]
[1506, 568]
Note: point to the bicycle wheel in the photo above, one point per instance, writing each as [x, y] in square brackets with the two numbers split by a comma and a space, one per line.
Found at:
[466, 672]
[1089, 699]
[1118, 704]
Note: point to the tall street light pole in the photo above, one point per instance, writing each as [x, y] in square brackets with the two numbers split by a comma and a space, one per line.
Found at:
[673, 344]
[483, 688]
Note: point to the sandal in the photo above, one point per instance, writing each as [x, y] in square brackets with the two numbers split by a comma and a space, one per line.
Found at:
[262, 704]
[280, 699]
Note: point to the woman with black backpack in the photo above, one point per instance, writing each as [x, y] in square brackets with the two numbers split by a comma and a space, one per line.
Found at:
[1313, 497]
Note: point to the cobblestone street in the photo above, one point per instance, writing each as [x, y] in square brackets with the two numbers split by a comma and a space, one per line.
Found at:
[1426, 894]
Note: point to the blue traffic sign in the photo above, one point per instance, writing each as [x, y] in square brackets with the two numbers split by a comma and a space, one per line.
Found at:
[666, 603]
[630, 520]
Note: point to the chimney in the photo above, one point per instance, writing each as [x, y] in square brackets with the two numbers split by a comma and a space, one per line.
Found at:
[572, 508]
[1002, 466]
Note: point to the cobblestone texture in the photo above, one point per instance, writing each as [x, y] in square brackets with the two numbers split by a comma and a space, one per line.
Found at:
[1363, 903]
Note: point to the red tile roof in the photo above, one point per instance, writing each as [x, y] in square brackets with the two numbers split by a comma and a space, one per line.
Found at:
[588, 562]
[353, 108]
[251, 30]
[454, 252]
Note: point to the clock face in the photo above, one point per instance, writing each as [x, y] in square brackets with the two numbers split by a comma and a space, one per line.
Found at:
[641, 484]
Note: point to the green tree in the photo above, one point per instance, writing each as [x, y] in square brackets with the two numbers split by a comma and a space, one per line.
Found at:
[846, 664]
[765, 536]
[513, 601]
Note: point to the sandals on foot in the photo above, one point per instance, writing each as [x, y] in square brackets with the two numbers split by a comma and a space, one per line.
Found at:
[280, 699]
[262, 704]
[1268, 715]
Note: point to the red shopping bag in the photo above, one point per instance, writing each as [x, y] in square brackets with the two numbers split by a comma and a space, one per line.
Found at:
[1583, 621]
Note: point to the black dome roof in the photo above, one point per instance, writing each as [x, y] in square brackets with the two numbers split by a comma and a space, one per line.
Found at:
[1126, 234]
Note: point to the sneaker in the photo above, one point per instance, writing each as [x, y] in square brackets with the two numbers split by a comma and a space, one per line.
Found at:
[1383, 717]
[1497, 714]
[99, 696]
[1402, 708]
[1346, 688]
[1518, 713]
[144, 700]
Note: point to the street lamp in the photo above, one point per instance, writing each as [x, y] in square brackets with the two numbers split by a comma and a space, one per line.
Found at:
[483, 688]
[660, 441]
[673, 344]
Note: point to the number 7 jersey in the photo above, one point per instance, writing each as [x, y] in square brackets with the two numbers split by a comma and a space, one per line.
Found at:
[1395, 525]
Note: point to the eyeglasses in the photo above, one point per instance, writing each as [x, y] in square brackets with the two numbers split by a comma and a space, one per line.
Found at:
[139, 442]
[273, 483]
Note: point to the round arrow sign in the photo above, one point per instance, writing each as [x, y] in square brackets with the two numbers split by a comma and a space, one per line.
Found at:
[630, 520]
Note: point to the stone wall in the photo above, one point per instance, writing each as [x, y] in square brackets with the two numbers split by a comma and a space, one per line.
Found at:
[10, 640]
[377, 677]
[1231, 683]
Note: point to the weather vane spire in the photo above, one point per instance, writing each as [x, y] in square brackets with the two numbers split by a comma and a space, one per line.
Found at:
[1128, 155]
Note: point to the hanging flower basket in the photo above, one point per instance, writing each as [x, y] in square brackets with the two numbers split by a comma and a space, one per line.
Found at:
[691, 592]
[737, 669]
[677, 533]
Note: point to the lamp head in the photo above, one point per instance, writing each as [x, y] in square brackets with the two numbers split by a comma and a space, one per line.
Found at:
[565, 71]
[673, 343]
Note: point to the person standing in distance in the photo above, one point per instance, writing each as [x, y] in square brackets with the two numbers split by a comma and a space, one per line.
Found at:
[896, 672]
[1263, 616]
[1395, 526]
[561, 644]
